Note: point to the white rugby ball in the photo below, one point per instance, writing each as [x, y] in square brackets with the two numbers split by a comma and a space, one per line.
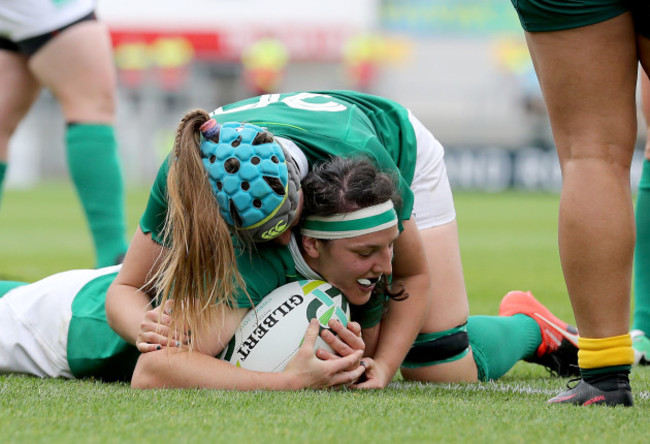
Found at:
[271, 333]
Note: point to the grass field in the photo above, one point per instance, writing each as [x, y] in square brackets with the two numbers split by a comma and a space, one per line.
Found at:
[508, 242]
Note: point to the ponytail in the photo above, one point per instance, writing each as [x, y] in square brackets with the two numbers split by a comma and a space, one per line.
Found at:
[199, 269]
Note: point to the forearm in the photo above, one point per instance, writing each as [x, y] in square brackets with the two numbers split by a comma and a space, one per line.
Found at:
[125, 310]
[401, 325]
[182, 369]
[126, 302]
[404, 319]
[170, 368]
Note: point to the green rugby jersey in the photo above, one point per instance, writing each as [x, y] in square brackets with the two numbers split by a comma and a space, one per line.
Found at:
[322, 124]
[94, 349]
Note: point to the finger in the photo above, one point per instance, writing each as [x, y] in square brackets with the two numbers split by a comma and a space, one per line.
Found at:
[158, 319]
[350, 361]
[355, 328]
[325, 355]
[161, 330]
[163, 319]
[348, 378]
[350, 334]
[169, 306]
[153, 338]
[369, 384]
[155, 328]
[145, 347]
[311, 335]
[344, 343]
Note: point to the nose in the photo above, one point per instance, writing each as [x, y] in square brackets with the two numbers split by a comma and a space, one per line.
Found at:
[384, 263]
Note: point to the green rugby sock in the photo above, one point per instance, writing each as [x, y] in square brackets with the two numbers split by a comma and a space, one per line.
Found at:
[3, 171]
[499, 342]
[642, 253]
[95, 169]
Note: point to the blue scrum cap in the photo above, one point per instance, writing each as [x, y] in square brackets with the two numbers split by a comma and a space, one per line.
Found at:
[254, 179]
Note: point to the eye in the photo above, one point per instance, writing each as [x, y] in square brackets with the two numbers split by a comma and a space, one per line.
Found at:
[364, 253]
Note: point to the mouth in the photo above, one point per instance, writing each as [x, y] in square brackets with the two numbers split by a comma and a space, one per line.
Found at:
[368, 283]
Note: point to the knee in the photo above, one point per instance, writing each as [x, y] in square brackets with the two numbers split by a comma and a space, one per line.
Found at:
[438, 348]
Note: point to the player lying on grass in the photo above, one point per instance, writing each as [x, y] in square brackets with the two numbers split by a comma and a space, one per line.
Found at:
[56, 327]
[183, 251]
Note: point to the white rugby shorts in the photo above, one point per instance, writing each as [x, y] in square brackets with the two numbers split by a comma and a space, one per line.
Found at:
[23, 19]
[434, 203]
[34, 322]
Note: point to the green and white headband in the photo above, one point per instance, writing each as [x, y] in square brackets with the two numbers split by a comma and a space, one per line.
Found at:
[357, 223]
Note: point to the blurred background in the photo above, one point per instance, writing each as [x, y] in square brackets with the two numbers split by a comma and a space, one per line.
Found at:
[461, 66]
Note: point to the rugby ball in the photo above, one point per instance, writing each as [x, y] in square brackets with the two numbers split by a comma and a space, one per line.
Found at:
[271, 333]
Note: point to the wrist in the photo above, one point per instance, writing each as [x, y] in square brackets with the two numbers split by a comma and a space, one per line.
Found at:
[384, 369]
[278, 381]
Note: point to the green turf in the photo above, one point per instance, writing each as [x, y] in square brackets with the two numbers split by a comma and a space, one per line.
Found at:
[508, 242]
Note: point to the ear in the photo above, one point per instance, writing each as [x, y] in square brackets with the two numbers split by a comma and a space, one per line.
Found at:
[311, 246]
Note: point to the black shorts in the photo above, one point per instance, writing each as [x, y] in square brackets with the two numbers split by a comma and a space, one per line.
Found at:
[29, 46]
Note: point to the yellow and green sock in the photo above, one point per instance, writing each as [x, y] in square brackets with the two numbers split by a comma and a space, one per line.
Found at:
[604, 361]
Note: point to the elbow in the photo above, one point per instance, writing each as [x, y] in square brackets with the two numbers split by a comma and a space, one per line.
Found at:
[148, 373]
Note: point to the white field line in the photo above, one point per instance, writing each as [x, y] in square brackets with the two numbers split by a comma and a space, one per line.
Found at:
[502, 388]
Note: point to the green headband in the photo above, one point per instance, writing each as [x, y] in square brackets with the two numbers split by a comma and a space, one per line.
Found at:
[357, 223]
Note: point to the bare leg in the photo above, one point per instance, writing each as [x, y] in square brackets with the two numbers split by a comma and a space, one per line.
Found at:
[77, 66]
[588, 77]
[449, 307]
[18, 91]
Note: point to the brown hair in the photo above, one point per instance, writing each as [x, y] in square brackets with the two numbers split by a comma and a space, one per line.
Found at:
[199, 268]
[343, 184]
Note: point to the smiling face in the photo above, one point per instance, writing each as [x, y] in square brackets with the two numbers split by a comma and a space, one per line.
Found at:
[352, 265]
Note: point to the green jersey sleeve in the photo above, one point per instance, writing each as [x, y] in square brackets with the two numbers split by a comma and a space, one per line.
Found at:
[153, 218]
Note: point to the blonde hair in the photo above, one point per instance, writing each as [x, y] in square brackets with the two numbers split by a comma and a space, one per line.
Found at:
[199, 269]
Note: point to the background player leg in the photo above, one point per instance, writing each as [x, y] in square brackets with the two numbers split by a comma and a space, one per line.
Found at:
[77, 66]
[18, 90]
[588, 77]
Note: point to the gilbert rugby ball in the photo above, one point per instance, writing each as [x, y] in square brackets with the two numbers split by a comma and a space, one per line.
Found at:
[271, 333]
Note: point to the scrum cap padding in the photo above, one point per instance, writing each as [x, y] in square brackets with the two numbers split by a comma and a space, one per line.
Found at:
[254, 180]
